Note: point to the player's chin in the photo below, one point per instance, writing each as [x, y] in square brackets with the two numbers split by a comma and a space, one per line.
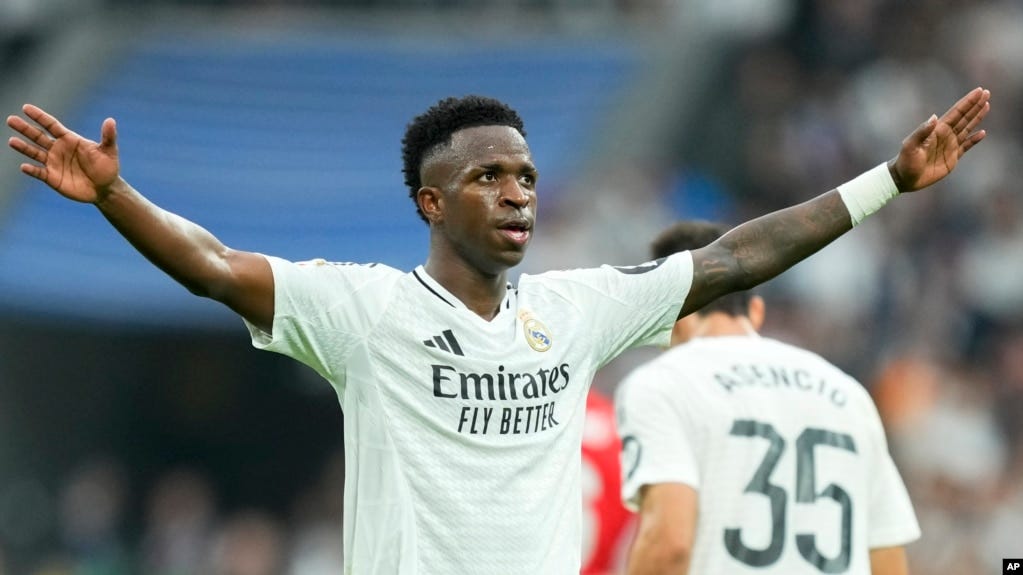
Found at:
[512, 256]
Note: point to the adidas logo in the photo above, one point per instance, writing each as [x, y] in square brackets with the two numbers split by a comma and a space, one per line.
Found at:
[447, 343]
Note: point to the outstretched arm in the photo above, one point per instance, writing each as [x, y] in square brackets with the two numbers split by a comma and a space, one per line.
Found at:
[86, 171]
[762, 248]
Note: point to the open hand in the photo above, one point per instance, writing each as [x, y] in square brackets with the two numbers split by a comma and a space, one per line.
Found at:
[76, 167]
[932, 151]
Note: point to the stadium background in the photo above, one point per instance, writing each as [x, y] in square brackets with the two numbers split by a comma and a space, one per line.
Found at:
[138, 426]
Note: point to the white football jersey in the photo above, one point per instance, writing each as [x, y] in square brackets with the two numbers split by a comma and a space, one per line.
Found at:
[463, 436]
[787, 453]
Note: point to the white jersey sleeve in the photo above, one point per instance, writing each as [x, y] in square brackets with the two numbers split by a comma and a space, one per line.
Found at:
[320, 306]
[656, 436]
[891, 516]
[627, 306]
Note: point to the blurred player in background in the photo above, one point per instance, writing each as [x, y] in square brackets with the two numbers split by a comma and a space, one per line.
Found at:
[463, 395]
[607, 523]
[744, 454]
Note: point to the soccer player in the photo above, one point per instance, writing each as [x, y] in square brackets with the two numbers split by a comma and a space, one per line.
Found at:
[744, 454]
[463, 396]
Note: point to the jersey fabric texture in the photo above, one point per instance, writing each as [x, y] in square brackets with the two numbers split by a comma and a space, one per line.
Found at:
[462, 436]
[787, 453]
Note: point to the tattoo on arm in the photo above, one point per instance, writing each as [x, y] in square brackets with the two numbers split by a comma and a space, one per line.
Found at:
[762, 248]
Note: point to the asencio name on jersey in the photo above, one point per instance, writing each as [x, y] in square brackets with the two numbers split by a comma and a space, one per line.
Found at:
[741, 376]
[450, 383]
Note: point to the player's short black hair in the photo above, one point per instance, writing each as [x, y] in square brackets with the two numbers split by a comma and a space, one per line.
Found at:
[691, 235]
[435, 126]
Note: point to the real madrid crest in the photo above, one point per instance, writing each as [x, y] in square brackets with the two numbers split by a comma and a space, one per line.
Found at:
[537, 335]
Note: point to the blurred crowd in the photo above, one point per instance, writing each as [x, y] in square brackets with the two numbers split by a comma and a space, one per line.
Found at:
[923, 303]
[183, 528]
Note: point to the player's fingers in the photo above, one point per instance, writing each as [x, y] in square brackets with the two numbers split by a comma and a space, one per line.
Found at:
[972, 141]
[31, 132]
[27, 150]
[51, 124]
[37, 172]
[108, 133]
[955, 114]
[967, 108]
[969, 116]
[971, 126]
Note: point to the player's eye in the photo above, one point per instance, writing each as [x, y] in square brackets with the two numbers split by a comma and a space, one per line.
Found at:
[528, 179]
[489, 176]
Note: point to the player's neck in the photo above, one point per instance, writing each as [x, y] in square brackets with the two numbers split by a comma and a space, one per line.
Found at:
[722, 324]
[715, 324]
[481, 292]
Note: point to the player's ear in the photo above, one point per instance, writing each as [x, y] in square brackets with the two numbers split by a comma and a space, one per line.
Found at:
[431, 203]
[756, 312]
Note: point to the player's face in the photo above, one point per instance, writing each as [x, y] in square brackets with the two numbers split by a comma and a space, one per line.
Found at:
[488, 199]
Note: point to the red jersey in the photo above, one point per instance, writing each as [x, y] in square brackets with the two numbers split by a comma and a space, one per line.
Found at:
[606, 522]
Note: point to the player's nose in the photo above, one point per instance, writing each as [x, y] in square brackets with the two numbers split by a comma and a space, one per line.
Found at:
[514, 194]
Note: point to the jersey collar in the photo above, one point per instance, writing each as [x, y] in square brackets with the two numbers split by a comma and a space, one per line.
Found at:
[438, 291]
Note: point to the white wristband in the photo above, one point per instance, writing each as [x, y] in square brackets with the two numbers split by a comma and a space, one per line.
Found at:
[866, 193]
